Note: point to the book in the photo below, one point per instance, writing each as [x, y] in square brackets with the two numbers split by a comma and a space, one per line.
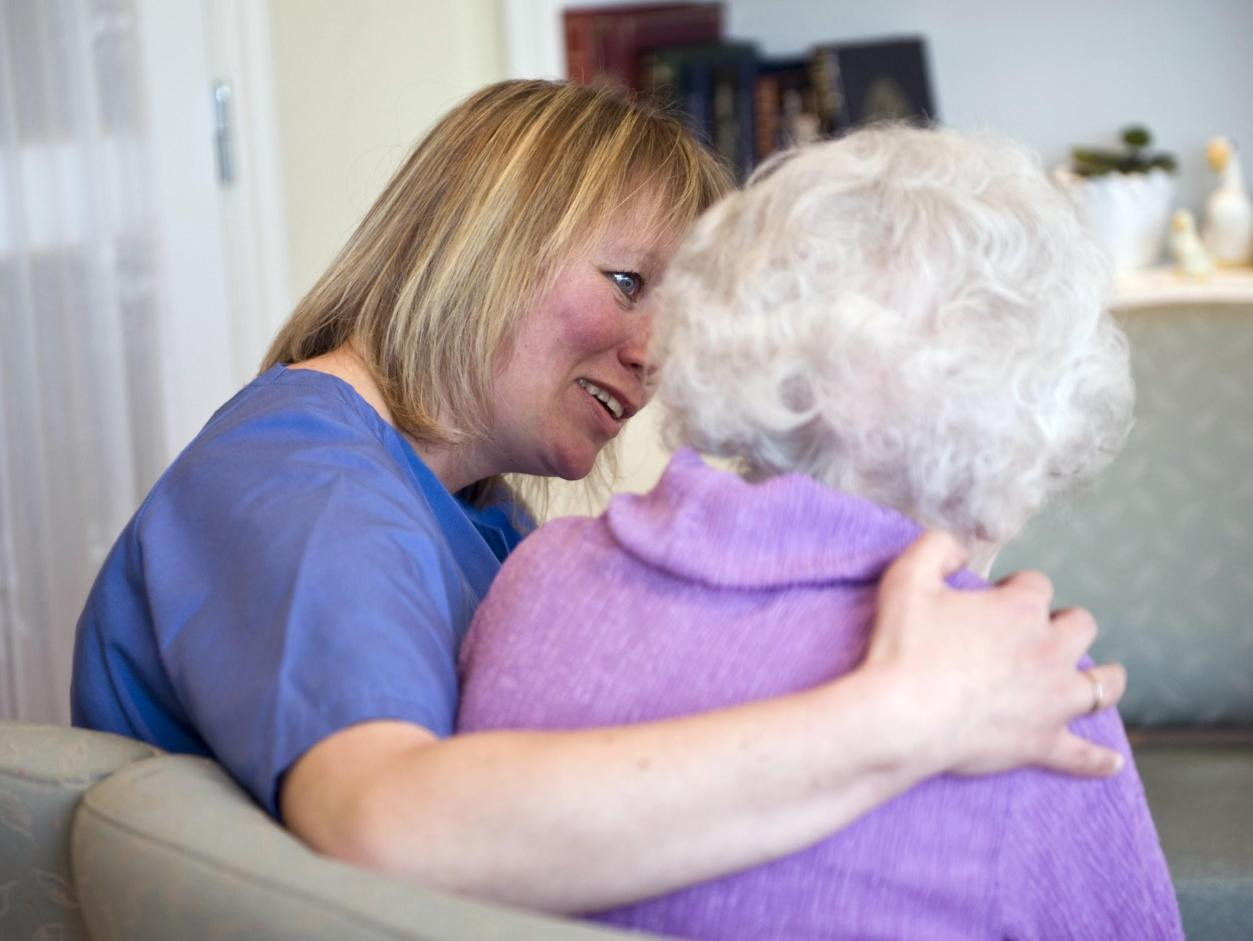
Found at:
[785, 109]
[711, 86]
[605, 44]
[858, 83]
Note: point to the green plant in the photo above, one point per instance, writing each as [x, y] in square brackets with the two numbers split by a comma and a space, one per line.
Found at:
[1135, 157]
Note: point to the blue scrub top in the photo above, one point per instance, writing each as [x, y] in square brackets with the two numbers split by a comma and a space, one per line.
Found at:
[296, 570]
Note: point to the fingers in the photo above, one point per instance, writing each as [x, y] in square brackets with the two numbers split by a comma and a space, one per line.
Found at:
[1078, 756]
[1072, 754]
[933, 557]
[1077, 629]
[1113, 680]
[1034, 586]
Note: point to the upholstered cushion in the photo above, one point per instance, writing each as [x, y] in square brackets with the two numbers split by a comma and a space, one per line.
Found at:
[172, 848]
[1159, 549]
[44, 770]
[1202, 801]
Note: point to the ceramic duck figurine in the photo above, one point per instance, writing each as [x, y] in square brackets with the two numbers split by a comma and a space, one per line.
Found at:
[1191, 258]
[1228, 228]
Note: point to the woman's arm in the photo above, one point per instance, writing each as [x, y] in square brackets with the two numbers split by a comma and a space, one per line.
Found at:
[578, 821]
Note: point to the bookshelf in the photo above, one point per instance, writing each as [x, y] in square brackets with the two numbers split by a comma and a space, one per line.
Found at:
[535, 47]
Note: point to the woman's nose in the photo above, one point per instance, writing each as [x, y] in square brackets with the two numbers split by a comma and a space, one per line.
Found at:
[633, 353]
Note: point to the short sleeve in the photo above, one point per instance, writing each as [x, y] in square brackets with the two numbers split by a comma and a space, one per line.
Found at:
[1082, 858]
[300, 584]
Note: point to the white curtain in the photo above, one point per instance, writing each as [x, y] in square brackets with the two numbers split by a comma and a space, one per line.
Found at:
[79, 411]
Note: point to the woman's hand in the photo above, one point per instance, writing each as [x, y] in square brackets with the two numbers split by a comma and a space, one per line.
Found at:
[990, 677]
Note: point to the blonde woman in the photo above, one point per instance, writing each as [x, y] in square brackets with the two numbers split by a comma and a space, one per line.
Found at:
[291, 595]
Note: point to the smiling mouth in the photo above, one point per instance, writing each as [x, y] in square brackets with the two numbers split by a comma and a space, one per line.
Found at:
[607, 401]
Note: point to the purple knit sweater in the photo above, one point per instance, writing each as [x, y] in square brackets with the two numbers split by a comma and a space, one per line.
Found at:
[708, 592]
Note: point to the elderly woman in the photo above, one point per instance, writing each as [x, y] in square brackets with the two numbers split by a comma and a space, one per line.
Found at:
[900, 329]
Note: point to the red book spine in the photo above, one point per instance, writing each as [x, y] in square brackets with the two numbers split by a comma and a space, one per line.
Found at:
[580, 66]
[607, 43]
[766, 112]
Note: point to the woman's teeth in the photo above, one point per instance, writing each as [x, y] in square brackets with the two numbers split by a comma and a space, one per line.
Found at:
[605, 399]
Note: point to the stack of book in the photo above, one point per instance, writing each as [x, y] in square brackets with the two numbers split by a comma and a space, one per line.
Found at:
[744, 107]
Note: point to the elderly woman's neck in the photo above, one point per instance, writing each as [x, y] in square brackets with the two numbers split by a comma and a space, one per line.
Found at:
[982, 555]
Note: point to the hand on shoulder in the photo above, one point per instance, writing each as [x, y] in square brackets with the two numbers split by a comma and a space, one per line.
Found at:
[989, 679]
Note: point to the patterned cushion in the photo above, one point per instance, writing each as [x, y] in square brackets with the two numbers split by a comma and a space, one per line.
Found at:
[44, 770]
[1159, 550]
[172, 848]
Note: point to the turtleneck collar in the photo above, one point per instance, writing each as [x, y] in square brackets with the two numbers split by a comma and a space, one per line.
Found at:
[711, 526]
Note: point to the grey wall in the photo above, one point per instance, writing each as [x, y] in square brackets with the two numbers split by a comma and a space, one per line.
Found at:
[1059, 73]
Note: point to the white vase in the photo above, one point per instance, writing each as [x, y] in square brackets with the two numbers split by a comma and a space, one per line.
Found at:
[1128, 213]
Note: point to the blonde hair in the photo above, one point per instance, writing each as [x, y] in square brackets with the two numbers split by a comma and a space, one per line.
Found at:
[471, 230]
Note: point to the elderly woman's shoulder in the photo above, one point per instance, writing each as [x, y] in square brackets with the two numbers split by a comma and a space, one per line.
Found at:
[552, 552]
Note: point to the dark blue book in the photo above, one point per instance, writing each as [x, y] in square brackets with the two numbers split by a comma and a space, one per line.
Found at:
[711, 86]
[859, 83]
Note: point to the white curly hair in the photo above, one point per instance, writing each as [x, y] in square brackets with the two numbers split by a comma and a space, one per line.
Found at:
[913, 316]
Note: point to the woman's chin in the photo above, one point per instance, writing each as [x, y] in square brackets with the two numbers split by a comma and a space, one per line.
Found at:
[576, 462]
[574, 470]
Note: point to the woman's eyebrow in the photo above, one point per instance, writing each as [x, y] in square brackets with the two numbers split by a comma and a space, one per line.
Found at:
[638, 255]
[651, 258]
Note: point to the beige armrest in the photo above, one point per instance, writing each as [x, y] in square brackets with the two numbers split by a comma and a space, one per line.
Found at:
[172, 848]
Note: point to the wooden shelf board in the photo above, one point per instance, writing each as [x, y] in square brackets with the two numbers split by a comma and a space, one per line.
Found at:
[1157, 287]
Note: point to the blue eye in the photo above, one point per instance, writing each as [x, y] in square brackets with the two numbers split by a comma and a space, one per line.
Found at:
[630, 283]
